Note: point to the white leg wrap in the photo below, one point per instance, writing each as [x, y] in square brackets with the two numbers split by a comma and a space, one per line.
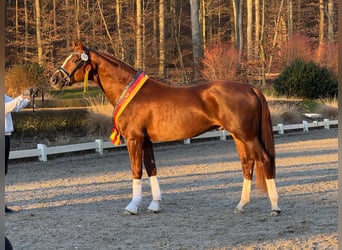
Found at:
[156, 194]
[273, 195]
[132, 207]
[245, 195]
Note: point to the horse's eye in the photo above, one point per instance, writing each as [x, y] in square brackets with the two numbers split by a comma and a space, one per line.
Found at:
[76, 59]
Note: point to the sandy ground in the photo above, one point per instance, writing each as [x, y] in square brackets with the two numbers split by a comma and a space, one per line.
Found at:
[77, 201]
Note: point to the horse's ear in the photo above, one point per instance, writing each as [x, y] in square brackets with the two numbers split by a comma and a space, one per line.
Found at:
[73, 45]
[79, 43]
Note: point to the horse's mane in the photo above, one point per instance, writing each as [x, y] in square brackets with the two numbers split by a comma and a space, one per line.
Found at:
[112, 57]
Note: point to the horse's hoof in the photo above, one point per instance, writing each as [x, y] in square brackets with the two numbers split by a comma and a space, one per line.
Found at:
[275, 212]
[238, 211]
[131, 209]
[154, 207]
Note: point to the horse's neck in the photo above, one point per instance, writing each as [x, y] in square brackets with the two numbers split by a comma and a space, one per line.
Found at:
[113, 75]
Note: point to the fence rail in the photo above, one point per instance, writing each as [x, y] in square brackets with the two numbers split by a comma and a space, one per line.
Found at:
[42, 151]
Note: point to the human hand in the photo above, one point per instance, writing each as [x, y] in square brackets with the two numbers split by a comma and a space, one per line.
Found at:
[26, 94]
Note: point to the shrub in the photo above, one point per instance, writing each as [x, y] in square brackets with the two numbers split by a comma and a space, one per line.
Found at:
[297, 47]
[50, 124]
[100, 116]
[221, 61]
[306, 80]
[23, 76]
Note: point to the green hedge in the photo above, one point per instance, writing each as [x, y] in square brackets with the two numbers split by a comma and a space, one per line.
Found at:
[306, 80]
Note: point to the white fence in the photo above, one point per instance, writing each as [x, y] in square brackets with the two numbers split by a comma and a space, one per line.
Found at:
[42, 151]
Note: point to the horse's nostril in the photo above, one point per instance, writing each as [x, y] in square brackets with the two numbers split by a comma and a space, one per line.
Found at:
[53, 79]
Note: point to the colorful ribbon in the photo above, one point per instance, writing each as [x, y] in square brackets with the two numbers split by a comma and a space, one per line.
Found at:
[125, 98]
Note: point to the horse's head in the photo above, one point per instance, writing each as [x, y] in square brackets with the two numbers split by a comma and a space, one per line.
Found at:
[73, 69]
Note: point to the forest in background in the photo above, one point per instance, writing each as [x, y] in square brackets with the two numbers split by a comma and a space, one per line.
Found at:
[178, 40]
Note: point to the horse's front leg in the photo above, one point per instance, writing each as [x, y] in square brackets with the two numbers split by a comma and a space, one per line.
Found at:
[151, 170]
[134, 147]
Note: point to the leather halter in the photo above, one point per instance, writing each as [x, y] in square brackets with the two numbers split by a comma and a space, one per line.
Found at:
[67, 77]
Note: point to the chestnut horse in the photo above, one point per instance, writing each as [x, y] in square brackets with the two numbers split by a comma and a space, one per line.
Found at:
[159, 112]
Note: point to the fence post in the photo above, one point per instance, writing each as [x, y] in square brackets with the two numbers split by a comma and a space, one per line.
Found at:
[326, 124]
[280, 128]
[42, 149]
[187, 141]
[305, 126]
[99, 146]
[223, 135]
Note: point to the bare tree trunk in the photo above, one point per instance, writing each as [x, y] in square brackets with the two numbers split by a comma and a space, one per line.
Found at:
[105, 25]
[138, 38]
[240, 27]
[321, 21]
[118, 27]
[54, 18]
[275, 38]
[290, 18]
[161, 39]
[175, 22]
[16, 20]
[155, 35]
[38, 33]
[235, 4]
[77, 16]
[67, 25]
[331, 21]
[143, 35]
[237, 10]
[26, 31]
[196, 37]
[204, 24]
[257, 28]
[321, 31]
[262, 45]
[249, 29]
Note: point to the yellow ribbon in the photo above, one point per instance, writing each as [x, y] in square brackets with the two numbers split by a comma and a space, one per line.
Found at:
[86, 75]
[115, 136]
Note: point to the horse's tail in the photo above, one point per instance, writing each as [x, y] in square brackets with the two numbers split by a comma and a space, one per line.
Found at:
[266, 139]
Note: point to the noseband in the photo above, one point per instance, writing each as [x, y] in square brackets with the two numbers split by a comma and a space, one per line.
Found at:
[67, 77]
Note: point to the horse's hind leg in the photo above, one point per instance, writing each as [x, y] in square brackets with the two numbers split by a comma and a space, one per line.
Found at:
[247, 168]
[273, 195]
[266, 165]
[252, 153]
[151, 170]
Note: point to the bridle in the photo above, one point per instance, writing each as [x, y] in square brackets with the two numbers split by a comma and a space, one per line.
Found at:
[67, 77]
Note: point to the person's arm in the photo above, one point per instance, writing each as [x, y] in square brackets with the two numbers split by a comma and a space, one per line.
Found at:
[15, 104]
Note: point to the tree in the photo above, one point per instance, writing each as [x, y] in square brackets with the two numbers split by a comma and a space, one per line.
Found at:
[118, 27]
[161, 39]
[105, 25]
[249, 29]
[237, 12]
[26, 31]
[196, 36]
[38, 33]
[330, 21]
[258, 13]
[139, 30]
[290, 18]
[138, 36]
[77, 17]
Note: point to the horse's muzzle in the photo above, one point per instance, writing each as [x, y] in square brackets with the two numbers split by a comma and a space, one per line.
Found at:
[57, 81]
